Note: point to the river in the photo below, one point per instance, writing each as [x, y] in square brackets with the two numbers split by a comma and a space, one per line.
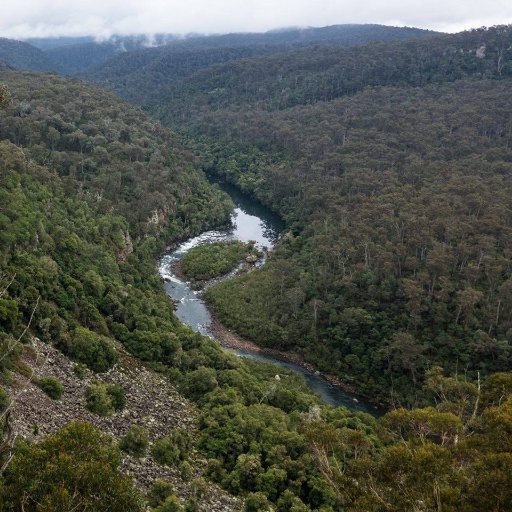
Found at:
[251, 221]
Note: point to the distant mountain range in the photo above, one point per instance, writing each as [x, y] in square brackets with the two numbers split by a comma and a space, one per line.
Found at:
[70, 55]
[20, 55]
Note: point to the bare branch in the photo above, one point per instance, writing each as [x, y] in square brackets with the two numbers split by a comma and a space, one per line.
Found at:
[4, 291]
[13, 344]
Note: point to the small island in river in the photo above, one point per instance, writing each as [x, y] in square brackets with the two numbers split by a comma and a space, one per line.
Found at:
[216, 259]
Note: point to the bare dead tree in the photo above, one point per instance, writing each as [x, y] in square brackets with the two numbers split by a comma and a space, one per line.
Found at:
[8, 435]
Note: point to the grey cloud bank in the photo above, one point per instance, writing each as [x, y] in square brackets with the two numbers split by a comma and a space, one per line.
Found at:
[102, 18]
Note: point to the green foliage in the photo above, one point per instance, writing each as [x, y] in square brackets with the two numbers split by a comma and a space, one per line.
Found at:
[75, 468]
[80, 370]
[10, 351]
[135, 442]
[171, 504]
[9, 314]
[322, 74]
[103, 399]
[497, 389]
[216, 259]
[52, 386]
[117, 395]
[199, 382]
[98, 400]
[95, 351]
[172, 449]
[4, 400]
[138, 76]
[5, 95]
[256, 502]
[159, 491]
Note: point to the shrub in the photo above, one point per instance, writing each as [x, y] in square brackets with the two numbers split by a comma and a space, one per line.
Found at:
[135, 442]
[51, 386]
[199, 489]
[74, 469]
[199, 382]
[165, 451]
[171, 504]
[95, 351]
[98, 400]
[192, 505]
[186, 470]
[9, 354]
[256, 502]
[117, 396]
[104, 399]
[4, 400]
[172, 449]
[80, 371]
[159, 492]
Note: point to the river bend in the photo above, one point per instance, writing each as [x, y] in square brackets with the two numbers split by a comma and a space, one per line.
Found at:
[250, 221]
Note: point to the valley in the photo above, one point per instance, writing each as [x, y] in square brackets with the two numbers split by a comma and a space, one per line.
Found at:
[251, 222]
[367, 331]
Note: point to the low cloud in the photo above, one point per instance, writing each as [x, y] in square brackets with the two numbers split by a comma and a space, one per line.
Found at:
[102, 18]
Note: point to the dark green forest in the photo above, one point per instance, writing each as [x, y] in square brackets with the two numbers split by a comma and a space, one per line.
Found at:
[148, 60]
[216, 259]
[22, 55]
[390, 164]
[317, 74]
[133, 56]
[397, 200]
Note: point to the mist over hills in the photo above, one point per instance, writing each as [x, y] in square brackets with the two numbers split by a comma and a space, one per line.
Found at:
[70, 55]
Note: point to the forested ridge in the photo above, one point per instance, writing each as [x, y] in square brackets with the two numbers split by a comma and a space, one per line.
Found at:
[142, 76]
[24, 56]
[394, 272]
[152, 55]
[397, 198]
[314, 74]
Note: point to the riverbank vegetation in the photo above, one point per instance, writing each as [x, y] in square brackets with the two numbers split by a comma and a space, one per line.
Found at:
[216, 259]
[389, 164]
[396, 264]
[80, 274]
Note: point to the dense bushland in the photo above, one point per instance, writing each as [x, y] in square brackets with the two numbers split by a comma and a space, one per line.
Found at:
[390, 164]
[397, 259]
[216, 259]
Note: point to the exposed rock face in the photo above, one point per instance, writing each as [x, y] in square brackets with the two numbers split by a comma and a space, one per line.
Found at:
[127, 248]
[152, 402]
[480, 52]
[160, 217]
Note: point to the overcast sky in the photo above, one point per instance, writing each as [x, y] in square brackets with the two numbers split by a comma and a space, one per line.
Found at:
[101, 18]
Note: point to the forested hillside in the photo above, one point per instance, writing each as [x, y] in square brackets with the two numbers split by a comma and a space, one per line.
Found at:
[142, 76]
[77, 56]
[397, 199]
[91, 192]
[86, 184]
[316, 74]
[22, 55]
[396, 261]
